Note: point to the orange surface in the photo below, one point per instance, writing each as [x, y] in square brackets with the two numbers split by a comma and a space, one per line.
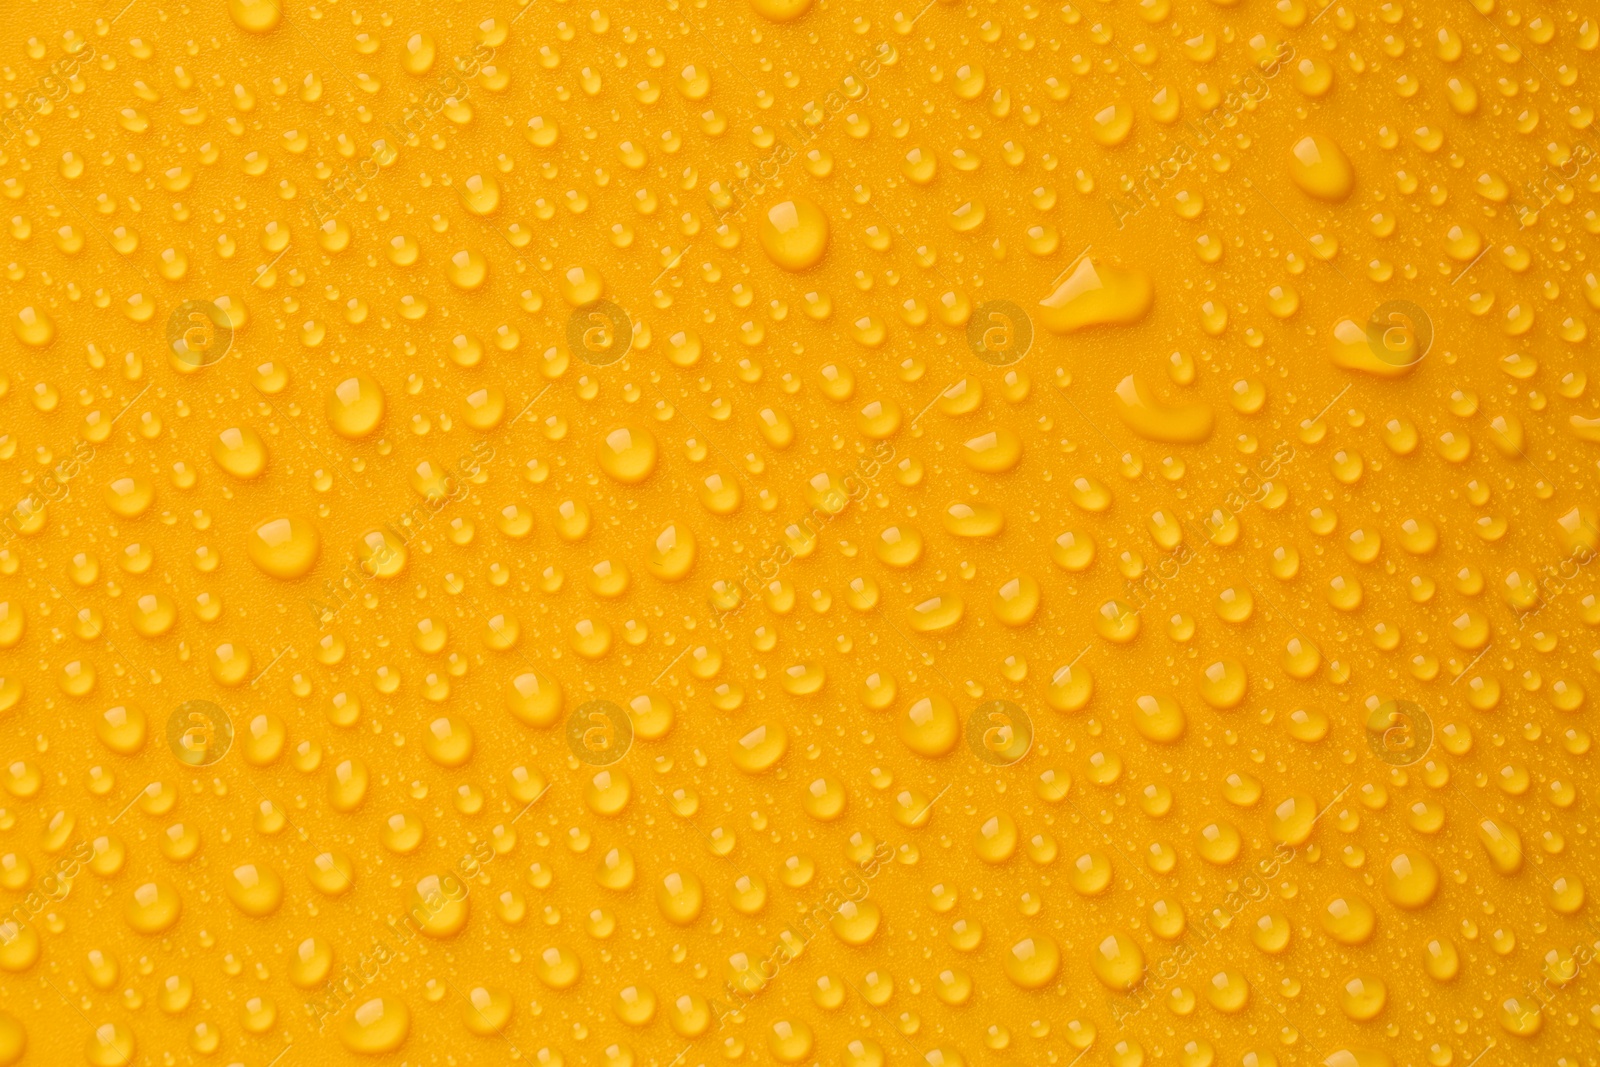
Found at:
[799, 532]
